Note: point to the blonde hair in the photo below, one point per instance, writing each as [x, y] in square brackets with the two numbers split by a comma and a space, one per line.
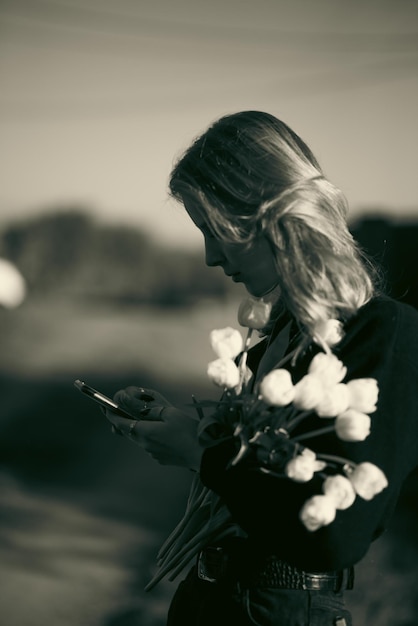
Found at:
[252, 175]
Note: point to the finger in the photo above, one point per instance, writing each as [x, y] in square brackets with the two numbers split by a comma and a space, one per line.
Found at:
[130, 405]
[147, 395]
[141, 393]
[146, 434]
[124, 397]
[126, 428]
[155, 413]
[135, 400]
[122, 423]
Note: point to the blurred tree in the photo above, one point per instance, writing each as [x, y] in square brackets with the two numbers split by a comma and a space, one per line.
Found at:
[65, 252]
[49, 248]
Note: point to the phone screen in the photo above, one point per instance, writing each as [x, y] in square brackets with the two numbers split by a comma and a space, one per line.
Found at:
[100, 398]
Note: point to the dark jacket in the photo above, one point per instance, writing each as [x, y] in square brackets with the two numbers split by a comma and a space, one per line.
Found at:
[380, 342]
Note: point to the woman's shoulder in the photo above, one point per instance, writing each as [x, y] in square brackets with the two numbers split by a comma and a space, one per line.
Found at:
[383, 326]
[383, 313]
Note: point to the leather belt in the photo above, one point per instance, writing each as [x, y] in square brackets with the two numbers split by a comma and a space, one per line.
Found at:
[215, 565]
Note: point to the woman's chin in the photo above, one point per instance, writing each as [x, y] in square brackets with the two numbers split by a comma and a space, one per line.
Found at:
[272, 292]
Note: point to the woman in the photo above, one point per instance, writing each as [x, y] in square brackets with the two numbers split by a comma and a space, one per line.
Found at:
[273, 222]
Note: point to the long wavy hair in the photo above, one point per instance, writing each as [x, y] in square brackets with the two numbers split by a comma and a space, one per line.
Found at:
[252, 175]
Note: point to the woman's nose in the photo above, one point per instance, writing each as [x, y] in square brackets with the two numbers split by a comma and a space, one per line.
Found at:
[213, 252]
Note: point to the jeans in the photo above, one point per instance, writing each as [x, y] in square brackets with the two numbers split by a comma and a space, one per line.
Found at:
[200, 603]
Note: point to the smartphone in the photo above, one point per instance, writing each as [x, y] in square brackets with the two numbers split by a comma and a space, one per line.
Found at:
[101, 398]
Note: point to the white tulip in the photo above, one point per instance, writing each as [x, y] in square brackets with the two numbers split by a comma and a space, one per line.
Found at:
[352, 425]
[276, 388]
[330, 331]
[363, 394]
[340, 490]
[328, 368]
[368, 480]
[333, 401]
[318, 511]
[303, 466]
[308, 392]
[254, 312]
[227, 342]
[224, 373]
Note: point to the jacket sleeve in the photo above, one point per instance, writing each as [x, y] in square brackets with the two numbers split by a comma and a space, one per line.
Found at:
[381, 343]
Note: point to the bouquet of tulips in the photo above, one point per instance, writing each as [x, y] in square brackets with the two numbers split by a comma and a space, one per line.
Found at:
[264, 416]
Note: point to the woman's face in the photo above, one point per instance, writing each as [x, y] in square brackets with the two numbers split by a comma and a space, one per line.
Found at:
[255, 267]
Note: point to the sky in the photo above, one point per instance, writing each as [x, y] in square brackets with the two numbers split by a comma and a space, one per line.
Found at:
[99, 97]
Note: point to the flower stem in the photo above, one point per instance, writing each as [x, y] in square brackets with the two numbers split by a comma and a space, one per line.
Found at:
[198, 408]
[315, 433]
[333, 458]
[285, 359]
[243, 360]
[299, 418]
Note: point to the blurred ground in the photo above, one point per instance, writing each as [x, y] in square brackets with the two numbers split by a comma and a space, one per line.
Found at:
[82, 511]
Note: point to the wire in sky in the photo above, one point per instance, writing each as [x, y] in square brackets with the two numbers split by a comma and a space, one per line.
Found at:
[88, 20]
[304, 85]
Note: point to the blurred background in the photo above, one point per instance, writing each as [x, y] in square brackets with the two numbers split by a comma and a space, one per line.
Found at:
[102, 277]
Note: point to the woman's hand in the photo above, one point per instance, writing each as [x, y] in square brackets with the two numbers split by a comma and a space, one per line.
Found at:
[165, 432]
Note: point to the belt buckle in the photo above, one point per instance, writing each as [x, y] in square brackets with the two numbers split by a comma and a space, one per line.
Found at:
[318, 581]
[337, 581]
[212, 564]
